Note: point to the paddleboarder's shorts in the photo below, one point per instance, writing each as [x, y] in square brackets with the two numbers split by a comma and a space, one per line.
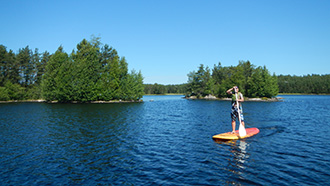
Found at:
[234, 114]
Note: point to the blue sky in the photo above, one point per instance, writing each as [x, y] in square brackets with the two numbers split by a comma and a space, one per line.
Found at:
[167, 39]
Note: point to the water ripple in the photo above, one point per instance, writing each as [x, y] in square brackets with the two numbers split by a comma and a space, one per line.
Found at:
[164, 142]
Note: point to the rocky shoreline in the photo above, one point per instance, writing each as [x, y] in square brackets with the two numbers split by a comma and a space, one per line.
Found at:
[208, 97]
[211, 97]
[74, 102]
[24, 101]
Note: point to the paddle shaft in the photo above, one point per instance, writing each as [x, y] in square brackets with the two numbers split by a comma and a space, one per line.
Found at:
[241, 129]
[238, 112]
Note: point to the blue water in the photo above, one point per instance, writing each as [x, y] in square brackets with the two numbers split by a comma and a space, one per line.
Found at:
[167, 141]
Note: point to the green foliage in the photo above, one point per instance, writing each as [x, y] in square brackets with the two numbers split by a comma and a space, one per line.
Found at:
[3, 64]
[221, 76]
[20, 74]
[165, 89]
[12, 91]
[136, 84]
[256, 83]
[86, 71]
[96, 72]
[9, 67]
[253, 82]
[200, 82]
[92, 72]
[41, 66]
[24, 58]
[4, 96]
[55, 80]
[262, 84]
[34, 92]
[114, 79]
[309, 84]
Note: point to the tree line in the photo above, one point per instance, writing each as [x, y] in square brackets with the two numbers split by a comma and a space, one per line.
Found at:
[92, 72]
[307, 84]
[165, 89]
[252, 81]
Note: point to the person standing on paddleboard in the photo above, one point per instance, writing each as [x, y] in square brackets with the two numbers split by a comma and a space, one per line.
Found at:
[234, 109]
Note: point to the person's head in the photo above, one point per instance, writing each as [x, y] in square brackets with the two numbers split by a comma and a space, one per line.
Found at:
[236, 88]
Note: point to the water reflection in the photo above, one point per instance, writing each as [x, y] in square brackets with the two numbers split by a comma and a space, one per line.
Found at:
[237, 160]
[90, 139]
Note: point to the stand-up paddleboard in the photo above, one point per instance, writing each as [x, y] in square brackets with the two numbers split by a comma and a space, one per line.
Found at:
[229, 136]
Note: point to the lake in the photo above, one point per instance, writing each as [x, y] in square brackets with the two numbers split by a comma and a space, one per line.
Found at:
[165, 141]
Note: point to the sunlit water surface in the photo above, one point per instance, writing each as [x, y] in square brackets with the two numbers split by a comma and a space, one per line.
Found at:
[165, 141]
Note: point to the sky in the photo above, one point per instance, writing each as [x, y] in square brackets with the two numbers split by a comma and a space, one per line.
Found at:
[167, 39]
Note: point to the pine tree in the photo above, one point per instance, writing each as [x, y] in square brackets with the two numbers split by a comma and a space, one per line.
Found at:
[237, 77]
[136, 84]
[24, 58]
[270, 88]
[247, 72]
[3, 65]
[86, 72]
[256, 83]
[63, 80]
[41, 65]
[104, 92]
[221, 77]
[114, 79]
[200, 83]
[53, 82]
[13, 67]
[123, 75]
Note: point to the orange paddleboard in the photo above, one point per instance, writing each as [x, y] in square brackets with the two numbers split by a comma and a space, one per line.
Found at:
[229, 136]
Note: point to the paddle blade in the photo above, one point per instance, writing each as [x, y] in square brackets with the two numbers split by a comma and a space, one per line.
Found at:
[241, 130]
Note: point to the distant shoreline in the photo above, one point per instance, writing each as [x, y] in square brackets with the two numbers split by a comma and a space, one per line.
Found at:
[168, 94]
[246, 99]
[72, 102]
[302, 94]
[276, 99]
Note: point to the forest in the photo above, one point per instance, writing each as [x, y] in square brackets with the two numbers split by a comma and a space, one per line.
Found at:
[165, 89]
[95, 72]
[92, 72]
[256, 82]
[307, 84]
[252, 81]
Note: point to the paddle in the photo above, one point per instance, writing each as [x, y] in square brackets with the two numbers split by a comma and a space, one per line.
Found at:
[241, 129]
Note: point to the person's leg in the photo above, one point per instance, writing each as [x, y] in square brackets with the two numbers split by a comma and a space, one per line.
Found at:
[233, 119]
[233, 124]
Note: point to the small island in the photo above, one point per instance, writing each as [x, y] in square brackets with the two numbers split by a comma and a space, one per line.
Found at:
[256, 83]
[93, 73]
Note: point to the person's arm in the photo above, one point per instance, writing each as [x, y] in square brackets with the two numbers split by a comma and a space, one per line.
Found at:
[241, 98]
[230, 91]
